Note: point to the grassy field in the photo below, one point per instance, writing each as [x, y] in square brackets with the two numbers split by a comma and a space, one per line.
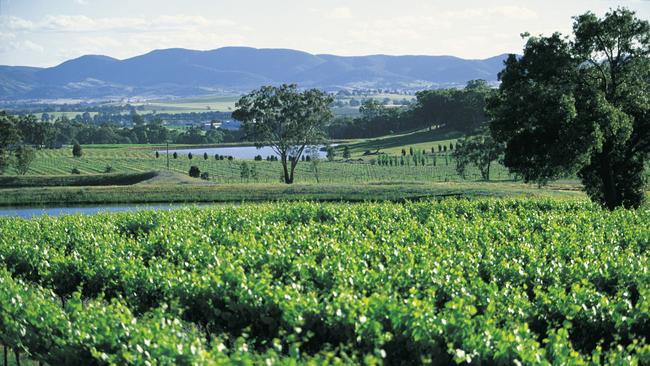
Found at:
[120, 179]
[187, 105]
[226, 103]
[480, 282]
[169, 187]
[141, 159]
[422, 140]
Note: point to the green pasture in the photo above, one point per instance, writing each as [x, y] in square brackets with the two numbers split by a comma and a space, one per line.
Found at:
[140, 159]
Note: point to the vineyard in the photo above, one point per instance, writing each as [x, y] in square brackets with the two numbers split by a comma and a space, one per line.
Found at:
[133, 160]
[483, 282]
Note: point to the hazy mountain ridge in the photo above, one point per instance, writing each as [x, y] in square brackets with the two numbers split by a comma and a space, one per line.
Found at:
[182, 72]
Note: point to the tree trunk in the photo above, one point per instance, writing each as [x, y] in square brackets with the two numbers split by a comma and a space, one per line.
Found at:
[294, 162]
[610, 194]
[287, 179]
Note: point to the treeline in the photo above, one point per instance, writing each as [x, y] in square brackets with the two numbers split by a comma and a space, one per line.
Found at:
[29, 130]
[453, 109]
[118, 117]
[120, 114]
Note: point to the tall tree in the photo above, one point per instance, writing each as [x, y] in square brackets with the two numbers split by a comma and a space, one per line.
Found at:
[9, 136]
[580, 106]
[24, 157]
[77, 152]
[480, 150]
[285, 119]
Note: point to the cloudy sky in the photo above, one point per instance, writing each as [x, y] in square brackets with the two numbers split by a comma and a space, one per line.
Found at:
[47, 32]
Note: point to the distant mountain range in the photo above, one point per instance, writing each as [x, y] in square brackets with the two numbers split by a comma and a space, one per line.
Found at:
[181, 72]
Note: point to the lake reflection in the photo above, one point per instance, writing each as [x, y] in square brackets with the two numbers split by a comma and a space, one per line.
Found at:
[239, 152]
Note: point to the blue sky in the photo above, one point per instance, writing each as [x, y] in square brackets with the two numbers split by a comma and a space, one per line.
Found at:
[48, 32]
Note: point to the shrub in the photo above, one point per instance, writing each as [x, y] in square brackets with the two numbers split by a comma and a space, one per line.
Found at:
[75, 171]
[195, 172]
[205, 176]
[108, 169]
[77, 152]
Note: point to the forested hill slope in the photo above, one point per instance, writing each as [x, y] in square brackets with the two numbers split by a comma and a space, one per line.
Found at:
[182, 72]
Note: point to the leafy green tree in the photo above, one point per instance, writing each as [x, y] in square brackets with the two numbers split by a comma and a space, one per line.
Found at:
[244, 171]
[580, 106]
[77, 152]
[480, 150]
[9, 136]
[24, 157]
[194, 172]
[285, 119]
[371, 108]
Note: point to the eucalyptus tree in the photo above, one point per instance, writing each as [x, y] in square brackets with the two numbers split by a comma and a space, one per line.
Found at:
[580, 105]
[285, 119]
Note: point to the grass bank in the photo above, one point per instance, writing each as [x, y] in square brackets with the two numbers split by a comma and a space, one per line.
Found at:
[121, 179]
[169, 189]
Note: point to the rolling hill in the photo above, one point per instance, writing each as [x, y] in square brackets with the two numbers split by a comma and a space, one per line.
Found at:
[182, 72]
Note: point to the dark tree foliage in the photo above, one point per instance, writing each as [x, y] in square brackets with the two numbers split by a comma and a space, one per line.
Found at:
[62, 131]
[9, 136]
[452, 109]
[285, 119]
[194, 172]
[25, 155]
[580, 107]
[480, 150]
[77, 152]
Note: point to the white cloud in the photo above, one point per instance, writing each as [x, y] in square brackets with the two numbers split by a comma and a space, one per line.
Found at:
[10, 43]
[81, 2]
[498, 12]
[83, 23]
[340, 13]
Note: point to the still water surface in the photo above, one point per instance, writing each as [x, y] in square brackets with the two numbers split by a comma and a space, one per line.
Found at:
[238, 152]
